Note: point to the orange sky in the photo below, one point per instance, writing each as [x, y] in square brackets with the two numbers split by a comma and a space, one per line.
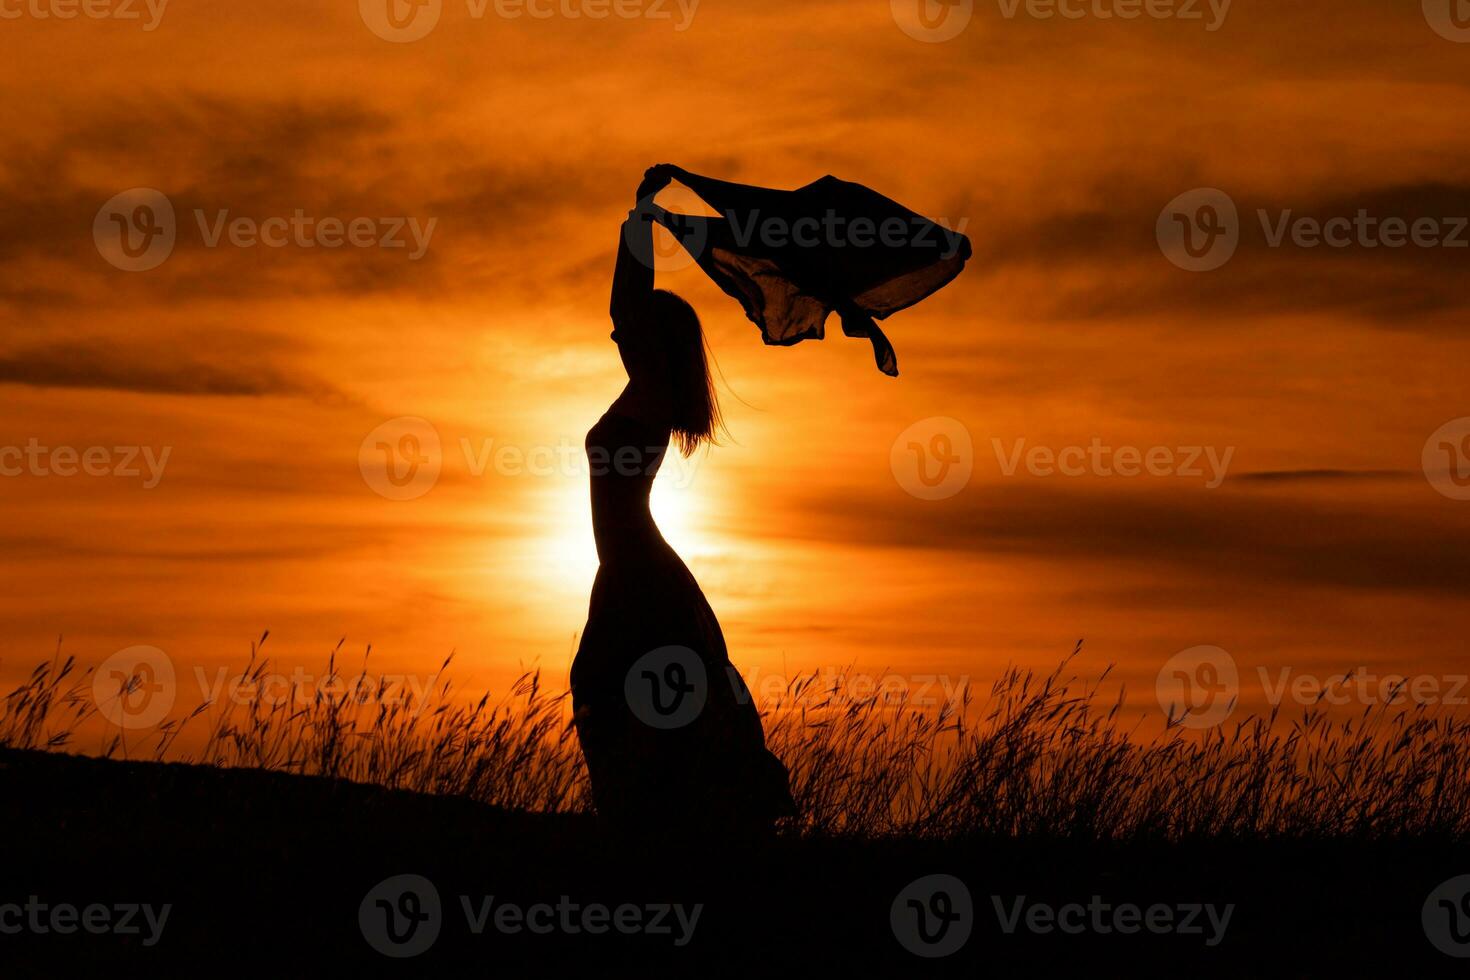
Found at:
[1058, 142]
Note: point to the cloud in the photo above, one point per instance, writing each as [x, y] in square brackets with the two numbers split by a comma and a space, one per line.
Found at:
[1103, 261]
[1303, 541]
[1316, 476]
[254, 159]
[105, 366]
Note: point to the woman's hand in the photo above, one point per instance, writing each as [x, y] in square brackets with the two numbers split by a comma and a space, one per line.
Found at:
[656, 178]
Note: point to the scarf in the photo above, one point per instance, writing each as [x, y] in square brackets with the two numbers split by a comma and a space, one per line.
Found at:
[794, 257]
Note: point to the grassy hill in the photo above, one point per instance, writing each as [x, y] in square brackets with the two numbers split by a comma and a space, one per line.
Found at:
[267, 872]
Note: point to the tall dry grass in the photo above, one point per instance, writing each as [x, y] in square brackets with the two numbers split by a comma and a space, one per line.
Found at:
[1041, 756]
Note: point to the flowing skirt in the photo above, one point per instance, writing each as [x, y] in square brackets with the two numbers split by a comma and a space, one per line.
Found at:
[670, 732]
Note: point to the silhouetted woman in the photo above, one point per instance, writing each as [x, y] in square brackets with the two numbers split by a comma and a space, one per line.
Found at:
[672, 738]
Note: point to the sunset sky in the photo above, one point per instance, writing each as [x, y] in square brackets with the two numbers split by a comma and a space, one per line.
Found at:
[1057, 142]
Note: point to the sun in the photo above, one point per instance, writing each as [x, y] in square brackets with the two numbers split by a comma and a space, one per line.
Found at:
[676, 512]
[677, 507]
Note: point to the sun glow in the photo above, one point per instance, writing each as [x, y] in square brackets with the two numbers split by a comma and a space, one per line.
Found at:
[678, 510]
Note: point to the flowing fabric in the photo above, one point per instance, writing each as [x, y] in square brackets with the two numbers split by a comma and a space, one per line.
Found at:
[794, 257]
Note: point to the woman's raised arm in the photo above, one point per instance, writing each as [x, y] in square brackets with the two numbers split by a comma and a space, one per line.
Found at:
[632, 286]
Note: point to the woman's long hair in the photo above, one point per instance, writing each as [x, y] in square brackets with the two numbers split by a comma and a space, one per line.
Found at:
[696, 407]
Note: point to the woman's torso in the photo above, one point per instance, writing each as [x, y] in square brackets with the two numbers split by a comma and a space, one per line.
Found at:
[624, 455]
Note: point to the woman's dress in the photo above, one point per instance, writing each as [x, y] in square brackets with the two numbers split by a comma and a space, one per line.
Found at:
[671, 735]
